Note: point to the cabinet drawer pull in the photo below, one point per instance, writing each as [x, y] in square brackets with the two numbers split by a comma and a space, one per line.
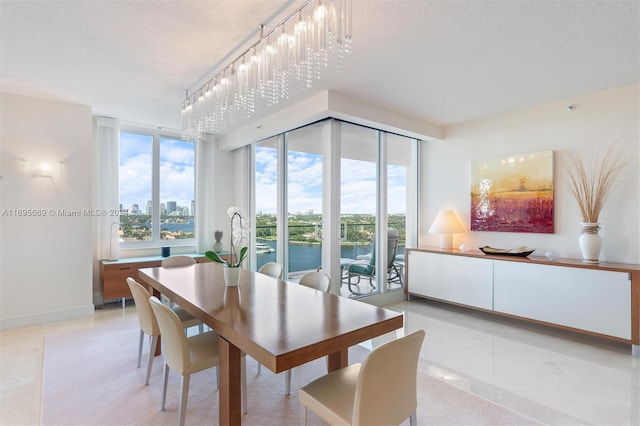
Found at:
[125, 268]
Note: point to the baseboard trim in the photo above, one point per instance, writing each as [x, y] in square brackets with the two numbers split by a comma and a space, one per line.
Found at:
[47, 317]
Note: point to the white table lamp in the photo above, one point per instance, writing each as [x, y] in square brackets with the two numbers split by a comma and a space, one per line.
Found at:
[446, 224]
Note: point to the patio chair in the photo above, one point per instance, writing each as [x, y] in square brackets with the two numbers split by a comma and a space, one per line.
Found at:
[353, 272]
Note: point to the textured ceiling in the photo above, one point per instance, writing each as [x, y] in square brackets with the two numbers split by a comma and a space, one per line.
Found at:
[443, 61]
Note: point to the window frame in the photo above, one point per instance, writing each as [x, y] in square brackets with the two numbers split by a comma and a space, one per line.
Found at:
[156, 241]
[332, 143]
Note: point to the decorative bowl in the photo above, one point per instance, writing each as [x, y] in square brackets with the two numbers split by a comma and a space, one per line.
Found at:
[518, 251]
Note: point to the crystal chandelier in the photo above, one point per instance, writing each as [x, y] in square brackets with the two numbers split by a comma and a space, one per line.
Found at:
[296, 50]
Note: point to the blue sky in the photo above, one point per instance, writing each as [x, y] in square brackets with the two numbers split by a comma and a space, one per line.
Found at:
[358, 184]
[176, 170]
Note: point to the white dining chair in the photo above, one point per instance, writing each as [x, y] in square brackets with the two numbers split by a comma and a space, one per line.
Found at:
[149, 324]
[177, 260]
[380, 391]
[272, 269]
[318, 281]
[188, 355]
[174, 262]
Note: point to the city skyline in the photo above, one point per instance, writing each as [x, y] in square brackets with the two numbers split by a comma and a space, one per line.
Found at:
[136, 210]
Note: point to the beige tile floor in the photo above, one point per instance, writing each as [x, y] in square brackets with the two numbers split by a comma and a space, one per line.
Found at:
[555, 377]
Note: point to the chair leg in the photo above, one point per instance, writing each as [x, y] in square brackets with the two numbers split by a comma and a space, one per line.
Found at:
[259, 368]
[165, 381]
[349, 284]
[288, 383]
[201, 328]
[152, 354]
[182, 411]
[303, 415]
[140, 348]
[412, 419]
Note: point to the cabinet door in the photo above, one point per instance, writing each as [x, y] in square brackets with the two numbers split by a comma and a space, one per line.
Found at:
[114, 277]
[587, 299]
[115, 281]
[458, 279]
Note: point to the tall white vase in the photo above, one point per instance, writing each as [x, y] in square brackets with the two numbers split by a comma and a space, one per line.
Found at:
[590, 242]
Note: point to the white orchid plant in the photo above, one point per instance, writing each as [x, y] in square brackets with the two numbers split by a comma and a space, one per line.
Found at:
[239, 236]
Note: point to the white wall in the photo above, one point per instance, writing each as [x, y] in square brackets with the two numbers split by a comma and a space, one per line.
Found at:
[598, 120]
[45, 261]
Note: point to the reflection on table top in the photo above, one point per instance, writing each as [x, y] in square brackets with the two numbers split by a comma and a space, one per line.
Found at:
[279, 323]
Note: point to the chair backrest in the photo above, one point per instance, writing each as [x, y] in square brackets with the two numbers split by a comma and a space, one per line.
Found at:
[146, 317]
[392, 246]
[179, 260]
[386, 390]
[392, 249]
[272, 269]
[174, 342]
[316, 279]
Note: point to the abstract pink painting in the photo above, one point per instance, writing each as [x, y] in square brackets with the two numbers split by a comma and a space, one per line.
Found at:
[513, 193]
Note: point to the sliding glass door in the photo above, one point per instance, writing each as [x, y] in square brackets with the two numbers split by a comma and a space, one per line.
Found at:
[304, 200]
[266, 201]
[401, 202]
[358, 208]
[366, 180]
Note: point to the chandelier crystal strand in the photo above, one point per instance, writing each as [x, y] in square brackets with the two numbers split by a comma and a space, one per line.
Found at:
[296, 50]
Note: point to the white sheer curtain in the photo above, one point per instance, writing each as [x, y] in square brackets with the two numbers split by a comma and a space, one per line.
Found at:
[107, 143]
[205, 156]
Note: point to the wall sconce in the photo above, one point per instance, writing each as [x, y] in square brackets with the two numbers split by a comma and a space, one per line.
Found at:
[43, 170]
[446, 224]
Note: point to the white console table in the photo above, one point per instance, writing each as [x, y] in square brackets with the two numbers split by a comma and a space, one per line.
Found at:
[596, 299]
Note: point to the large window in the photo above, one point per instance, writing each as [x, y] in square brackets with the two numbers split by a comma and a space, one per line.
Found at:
[342, 198]
[266, 191]
[156, 188]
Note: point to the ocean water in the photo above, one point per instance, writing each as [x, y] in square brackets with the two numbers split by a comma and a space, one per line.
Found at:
[303, 257]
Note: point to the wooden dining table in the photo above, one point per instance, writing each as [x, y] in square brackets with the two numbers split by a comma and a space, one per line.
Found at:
[278, 323]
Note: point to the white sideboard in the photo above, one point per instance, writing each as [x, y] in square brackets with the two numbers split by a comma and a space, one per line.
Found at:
[601, 299]
[597, 301]
[464, 280]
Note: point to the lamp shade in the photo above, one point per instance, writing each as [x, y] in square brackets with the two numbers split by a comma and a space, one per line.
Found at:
[446, 223]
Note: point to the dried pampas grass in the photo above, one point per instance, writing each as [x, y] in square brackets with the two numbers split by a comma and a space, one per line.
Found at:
[591, 186]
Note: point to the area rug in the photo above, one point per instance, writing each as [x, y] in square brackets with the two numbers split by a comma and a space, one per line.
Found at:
[90, 378]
